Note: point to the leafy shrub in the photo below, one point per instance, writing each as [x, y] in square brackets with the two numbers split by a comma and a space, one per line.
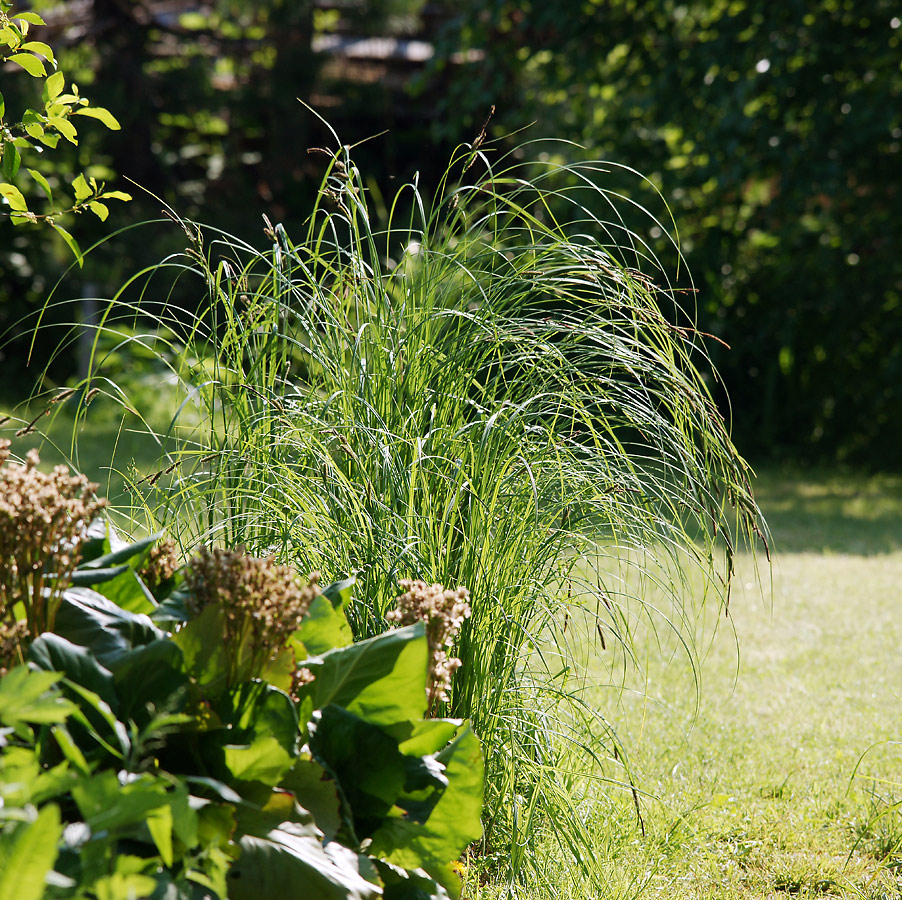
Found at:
[213, 731]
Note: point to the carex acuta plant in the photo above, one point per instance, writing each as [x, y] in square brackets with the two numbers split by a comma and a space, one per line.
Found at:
[43, 520]
[490, 387]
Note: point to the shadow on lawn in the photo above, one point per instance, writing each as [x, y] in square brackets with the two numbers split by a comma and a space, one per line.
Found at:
[817, 511]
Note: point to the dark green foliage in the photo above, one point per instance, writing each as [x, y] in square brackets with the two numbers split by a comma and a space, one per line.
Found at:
[133, 767]
[774, 133]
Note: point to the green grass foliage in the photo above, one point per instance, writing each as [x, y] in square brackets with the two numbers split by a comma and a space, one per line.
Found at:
[470, 388]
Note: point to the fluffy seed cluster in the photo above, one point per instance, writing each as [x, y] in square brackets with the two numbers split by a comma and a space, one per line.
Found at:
[262, 603]
[43, 519]
[444, 612]
[162, 563]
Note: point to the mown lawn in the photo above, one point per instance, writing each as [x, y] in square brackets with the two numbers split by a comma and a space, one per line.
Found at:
[762, 790]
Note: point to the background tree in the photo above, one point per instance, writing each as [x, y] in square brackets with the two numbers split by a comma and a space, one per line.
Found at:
[773, 132]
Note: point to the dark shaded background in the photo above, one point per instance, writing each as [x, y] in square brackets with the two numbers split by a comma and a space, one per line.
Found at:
[771, 130]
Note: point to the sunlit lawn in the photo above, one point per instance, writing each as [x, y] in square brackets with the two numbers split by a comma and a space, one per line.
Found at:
[756, 792]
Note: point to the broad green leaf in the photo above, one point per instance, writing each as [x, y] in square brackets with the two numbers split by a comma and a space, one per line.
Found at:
[109, 549]
[149, 676]
[53, 86]
[98, 112]
[287, 865]
[54, 653]
[41, 49]
[454, 822]
[25, 697]
[340, 593]
[105, 803]
[80, 186]
[30, 63]
[11, 160]
[159, 824]
[205, 653]
[264, 760]
[99, 210]
[70, 241]
[261, 710]
[429, 736]
[382, 680]
[116, 195]
[324, 628]
[13, 197]
[364, 760]
[90, 577]
[64, 127]
[42, 181]
[27, 854]
[88, 618]
[314, 790]
[127, 592]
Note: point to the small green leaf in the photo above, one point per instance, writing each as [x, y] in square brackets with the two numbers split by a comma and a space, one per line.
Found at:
[2, 106]
[64, 127]
[13, 197]
[80, 186]
[30, 17]
[99, 210]
[98, 112]
[70, 241]
[35, 129]
[116, 195]
[30, 63]
[11, 160]
[27, 854]
[53, 86]
[40, 48]
[42, 181]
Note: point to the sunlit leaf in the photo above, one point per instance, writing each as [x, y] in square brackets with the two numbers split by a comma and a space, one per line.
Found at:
[27, 854]
[40, 48]
[42, 182]
[80, 186]
[30, 63]
[98, 112]
[53, 86]
[64, 127]
[13, 197]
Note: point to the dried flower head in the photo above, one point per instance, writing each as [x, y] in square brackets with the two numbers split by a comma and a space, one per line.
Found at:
[13, 637]
[262, 603]
[43, 520]
[444, 612]
[161, 565]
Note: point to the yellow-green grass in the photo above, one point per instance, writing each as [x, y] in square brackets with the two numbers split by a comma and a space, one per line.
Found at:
[774, 779]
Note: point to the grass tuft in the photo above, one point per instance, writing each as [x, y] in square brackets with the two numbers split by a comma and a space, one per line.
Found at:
[488, 388]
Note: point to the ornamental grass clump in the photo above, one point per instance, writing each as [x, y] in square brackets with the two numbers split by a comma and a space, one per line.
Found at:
[443, 612]
[493, 386]
[43, 520]
[259, 603]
